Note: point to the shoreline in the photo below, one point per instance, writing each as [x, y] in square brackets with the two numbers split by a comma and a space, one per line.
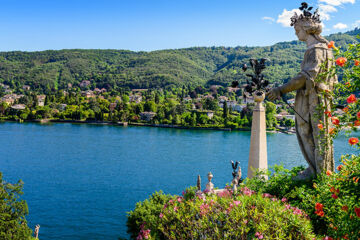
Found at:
[125, 124]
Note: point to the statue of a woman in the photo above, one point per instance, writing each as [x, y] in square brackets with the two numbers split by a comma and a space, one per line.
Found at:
[311, 93]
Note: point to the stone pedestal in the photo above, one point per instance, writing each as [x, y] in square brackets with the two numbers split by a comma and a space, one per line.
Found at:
[258, 149]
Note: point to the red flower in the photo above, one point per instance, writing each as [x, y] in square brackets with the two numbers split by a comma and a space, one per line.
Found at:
[345, 208]
[320, 213]
[339, 167]
[328, 238]
[332, 130]
[357, 62]
[346, 109]
[320, 126]
[341, 61]
[351, 99]
[334, 196]
[335, 121]
[319, 207]
[353, 141]
[357, 211]
[328, 113]
[331, 44]
[357, 123]
[328, 172]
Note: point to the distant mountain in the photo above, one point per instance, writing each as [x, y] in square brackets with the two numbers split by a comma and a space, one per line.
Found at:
[113, 69]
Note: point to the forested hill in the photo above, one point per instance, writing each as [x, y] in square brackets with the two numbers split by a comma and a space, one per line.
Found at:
[47, 70]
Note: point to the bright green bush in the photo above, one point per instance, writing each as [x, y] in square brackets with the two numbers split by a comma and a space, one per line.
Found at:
[245, 215]
[13, 225]
[147, 212]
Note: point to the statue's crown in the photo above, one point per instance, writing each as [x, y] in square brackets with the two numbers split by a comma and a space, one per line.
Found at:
[306, 15]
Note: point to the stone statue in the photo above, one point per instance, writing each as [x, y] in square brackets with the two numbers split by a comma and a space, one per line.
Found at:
[312, 90]
[210, 185]
[36, 231]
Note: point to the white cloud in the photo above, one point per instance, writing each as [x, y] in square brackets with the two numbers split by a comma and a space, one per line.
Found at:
[337, 2]
[326, 7]
[324, 11]
[340, 26]
[284, 17]
[270, 19]
[356, 24]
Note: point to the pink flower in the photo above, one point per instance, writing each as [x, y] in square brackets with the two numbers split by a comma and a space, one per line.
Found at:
[245, 221]
[283, 199]
[179, 199]
[297, 211]
[259, 235]
[161, 215]
[237, 203]
[204, 209]
[267, 195]
[247, 191]
[224, 193]
[176, 208]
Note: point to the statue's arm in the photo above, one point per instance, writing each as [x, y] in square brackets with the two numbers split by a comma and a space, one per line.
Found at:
[294, 84]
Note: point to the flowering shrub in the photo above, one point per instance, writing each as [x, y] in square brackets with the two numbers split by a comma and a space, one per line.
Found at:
[335, 200]
[331, 199]
[246, 215]
[345, 113]
[142, 222]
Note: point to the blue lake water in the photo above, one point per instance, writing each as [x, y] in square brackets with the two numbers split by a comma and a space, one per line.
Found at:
[80, 180]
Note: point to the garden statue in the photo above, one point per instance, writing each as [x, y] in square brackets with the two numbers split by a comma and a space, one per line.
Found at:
[313, 100]
[36, 231]
[210, 185]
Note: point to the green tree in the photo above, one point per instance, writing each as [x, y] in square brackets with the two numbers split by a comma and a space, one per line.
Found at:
[225, 111]
[193, 120]
[150, 106]
[13, 224]
[270, 115]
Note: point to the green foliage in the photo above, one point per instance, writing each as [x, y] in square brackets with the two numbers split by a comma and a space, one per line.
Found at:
[338, 193]
[113, 69]
[147, 211]
[245, 215]
[13, 225]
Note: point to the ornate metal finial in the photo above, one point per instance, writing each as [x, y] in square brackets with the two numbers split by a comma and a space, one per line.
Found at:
[258, 84]
[198, 184]
[306, 15]
[236, 175]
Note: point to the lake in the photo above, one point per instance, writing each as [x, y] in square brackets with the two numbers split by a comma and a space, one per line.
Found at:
[80, 180]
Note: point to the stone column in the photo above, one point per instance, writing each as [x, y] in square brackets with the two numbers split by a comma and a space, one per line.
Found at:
[258, 149]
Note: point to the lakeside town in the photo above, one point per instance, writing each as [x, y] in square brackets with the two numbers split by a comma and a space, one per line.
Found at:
[214, 107]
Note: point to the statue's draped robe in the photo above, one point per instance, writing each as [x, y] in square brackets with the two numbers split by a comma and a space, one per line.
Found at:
[317, 150]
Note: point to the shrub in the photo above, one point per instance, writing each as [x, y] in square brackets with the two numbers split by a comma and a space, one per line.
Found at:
[147, 212]
[13, 225]
[331, 199]
[245, 215]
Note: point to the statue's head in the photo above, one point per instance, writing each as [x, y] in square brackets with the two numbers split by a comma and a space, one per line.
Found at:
[306, 23]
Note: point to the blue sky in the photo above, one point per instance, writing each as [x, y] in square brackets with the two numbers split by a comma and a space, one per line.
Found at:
[146, 25]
